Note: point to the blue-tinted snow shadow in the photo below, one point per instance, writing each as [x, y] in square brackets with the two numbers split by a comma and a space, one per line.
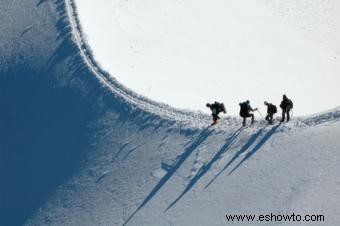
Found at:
[257, 147]
[243, 149]
[172, 169]
[39, 3]
[206, 167]
[27, 29]
[120, 151]
[131, 151]
[43, 137]
[44, 133]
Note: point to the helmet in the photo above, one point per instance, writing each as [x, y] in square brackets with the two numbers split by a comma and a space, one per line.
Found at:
[208, 105]
[265, 103]
[284, 96]
[247, 101]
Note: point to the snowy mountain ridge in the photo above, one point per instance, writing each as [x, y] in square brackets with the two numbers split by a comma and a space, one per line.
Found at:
[78, 148]
[146, 104]
[228, 51]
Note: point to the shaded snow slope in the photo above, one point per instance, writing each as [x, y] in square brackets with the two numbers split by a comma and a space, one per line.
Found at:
[77, 148]
[228, 51]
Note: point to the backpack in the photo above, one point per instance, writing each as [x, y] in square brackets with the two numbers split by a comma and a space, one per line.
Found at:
[217, 108]
[290, 103]
[222, 108]
[244, 109]
[273, 109]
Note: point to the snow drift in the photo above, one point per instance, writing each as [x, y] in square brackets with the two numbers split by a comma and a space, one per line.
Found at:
[78, 148]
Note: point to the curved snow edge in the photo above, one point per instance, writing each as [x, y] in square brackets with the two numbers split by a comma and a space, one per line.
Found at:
[131, 97]
[194, 119]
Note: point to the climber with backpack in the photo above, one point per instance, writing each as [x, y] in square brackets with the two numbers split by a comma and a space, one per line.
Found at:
[245, 110]
[271, 110]
[286, 105]
[216, 108]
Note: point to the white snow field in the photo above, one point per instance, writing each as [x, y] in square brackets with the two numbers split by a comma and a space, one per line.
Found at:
[79, 148]
[189, 52]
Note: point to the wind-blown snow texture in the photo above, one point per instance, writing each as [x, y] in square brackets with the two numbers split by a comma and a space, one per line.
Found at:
[77, 148]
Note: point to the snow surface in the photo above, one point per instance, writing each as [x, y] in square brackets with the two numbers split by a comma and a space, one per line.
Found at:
[189, 52]
[78, 148]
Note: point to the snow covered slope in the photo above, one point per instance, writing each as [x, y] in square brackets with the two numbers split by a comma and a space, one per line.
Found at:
[221, 50]
[198, 177]
[316, 20]
[77, 148]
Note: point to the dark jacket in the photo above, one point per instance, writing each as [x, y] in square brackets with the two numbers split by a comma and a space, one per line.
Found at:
[245, 109]
[286, 104]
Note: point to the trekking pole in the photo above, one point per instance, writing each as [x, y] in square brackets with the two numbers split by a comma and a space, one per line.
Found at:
[260, 113]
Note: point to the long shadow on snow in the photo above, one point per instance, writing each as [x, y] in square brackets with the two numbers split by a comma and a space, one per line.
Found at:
[205, 168]
[179, 161]
[257, 147]
[244, 148]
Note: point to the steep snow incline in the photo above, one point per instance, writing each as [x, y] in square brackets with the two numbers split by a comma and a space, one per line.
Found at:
[162, 177]
[77, 148]
[51, 99]
[219, 50]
